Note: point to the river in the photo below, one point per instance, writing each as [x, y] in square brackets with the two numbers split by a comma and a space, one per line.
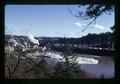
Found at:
[104, 67]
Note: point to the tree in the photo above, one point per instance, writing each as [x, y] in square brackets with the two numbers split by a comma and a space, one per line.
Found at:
[39, 69]
[12, 62]
[69, 68]
[93, 12]
[19, 65]
[113, 28]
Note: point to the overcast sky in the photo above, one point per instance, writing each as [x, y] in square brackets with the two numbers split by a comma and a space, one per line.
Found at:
[51, 20]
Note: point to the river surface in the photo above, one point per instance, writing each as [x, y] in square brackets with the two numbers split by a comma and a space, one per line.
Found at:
[104, 67]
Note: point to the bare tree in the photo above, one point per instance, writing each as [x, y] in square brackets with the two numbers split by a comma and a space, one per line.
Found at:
[19, 65]
[12, 62]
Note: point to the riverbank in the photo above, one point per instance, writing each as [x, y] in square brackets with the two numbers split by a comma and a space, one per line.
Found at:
[97, 52]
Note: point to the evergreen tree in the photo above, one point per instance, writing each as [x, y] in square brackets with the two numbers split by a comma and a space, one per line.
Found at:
[69, 68]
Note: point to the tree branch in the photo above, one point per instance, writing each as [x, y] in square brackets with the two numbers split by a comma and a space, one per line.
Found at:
[15, 68]
[102, 11]
[92, 11]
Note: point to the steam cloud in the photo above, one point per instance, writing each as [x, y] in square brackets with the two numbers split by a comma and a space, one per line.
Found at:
[32, 39]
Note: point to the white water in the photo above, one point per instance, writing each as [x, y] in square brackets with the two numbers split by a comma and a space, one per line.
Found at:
[81, 60]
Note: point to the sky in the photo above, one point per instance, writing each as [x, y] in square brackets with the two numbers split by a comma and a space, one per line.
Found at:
[52, 21]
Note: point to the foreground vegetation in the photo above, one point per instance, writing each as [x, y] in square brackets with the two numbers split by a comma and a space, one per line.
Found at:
[19, 65]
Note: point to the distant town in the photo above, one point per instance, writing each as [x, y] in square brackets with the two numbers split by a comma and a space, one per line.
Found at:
[103, 42]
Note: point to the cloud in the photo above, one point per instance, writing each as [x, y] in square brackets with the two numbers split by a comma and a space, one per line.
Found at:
[71, 34]
[99, 27]
[96, 26]
[78, 24]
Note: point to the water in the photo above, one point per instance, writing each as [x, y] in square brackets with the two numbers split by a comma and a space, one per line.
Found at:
[105, 66]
